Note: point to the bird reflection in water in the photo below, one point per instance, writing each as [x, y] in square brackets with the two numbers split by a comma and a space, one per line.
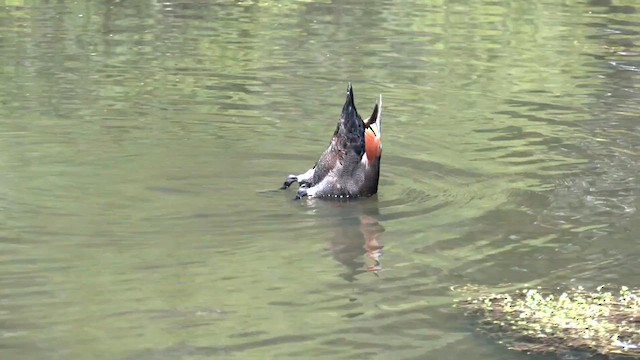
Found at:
[356, 239]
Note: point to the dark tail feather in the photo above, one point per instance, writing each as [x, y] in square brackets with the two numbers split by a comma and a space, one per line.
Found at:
[351, 127]
[349, 111]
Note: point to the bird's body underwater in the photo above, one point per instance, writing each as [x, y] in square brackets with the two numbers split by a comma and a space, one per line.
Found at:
[350, 166]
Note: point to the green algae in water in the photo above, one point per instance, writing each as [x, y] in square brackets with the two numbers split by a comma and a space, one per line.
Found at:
[604, 321]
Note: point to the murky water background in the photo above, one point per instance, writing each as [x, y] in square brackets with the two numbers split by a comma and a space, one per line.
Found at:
[141, 144]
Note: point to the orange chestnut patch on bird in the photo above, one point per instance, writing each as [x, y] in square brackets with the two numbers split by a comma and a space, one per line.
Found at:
[372, 144]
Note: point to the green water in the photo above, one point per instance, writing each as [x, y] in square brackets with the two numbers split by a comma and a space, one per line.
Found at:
[142, 143]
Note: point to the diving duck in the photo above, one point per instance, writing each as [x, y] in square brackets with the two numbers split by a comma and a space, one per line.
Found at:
[350, 166]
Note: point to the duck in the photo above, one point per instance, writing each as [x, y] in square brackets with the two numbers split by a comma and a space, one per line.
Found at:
[350, 166]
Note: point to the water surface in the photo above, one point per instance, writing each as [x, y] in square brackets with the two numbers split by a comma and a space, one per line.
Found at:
[142, 145]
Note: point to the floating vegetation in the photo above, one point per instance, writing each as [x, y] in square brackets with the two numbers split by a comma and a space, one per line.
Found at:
[604, 321]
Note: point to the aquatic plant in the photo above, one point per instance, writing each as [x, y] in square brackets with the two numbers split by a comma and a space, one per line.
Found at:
[604, 321]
